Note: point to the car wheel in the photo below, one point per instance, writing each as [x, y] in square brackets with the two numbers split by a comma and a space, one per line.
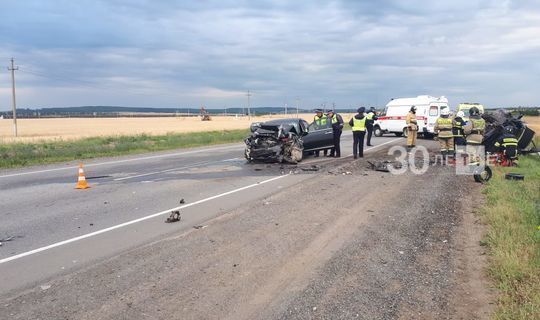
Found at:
[377, 131]
[404, 133]
[294, 152]
[399, 134]
[483, 174]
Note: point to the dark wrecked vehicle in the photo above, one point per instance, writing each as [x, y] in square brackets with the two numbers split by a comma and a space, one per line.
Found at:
[286, 140]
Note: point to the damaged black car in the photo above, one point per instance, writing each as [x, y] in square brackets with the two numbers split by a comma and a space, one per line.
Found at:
[286, 140]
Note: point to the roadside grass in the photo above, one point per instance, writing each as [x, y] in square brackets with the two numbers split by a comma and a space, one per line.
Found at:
[512, 212]
[23, 154]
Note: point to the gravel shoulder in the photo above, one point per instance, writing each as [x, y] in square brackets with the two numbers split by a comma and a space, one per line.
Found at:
[349, 243]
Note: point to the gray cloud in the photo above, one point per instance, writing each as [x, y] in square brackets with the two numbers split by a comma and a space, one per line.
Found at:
[181, 53]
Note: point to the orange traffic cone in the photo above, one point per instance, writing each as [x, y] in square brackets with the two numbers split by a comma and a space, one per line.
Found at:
[81, 183]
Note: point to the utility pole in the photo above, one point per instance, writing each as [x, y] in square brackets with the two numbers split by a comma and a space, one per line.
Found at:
[14, 101]
[249, 104]
[286, 107]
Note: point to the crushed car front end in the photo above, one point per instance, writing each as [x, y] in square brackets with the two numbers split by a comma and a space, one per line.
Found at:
[274, 142]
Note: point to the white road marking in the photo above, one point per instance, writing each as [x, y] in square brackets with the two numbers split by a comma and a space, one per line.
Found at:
[122, 161]
[88, 235]
[173, 169]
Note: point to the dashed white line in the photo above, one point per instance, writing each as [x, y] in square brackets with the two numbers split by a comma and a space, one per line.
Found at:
[174, 169]
[121, 161]
[88, 235]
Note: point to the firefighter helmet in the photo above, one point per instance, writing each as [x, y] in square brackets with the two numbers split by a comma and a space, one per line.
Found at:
[509, 129]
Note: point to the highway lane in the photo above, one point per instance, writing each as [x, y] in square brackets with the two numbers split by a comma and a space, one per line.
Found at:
[41, 208]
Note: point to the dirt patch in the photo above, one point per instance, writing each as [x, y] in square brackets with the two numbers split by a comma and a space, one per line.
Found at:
[472, 297]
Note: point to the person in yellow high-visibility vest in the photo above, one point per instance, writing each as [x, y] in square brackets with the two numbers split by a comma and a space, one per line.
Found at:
[358, 124]
[320, 121]
[371, 117]
[337, 128]
[443, 128]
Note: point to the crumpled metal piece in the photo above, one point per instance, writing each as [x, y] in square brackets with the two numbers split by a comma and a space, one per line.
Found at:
[174, 217]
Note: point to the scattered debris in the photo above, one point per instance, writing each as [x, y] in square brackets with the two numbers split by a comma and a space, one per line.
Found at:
[267, 203]
[314, 308]
[91, 224]
[174, 217]
[105, 202]
[312, 168]
[235, 265]
[182, 201]
[258, 169]
[45, 287]
[379, 166]
[199, 227]
[401, 252]
[514, 176]
[445, 241]
[7, 239]
[370, 211]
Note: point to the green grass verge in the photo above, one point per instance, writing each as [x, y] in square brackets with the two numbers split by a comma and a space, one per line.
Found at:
[24, 154]
[512, 212]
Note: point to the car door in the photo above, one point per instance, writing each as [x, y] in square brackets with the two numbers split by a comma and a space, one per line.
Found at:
[318, 138]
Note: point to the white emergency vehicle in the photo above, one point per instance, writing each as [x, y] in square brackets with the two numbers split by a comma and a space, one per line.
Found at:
[392, 120]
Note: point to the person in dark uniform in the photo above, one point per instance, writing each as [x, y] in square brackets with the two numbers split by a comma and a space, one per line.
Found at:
[457, 129]
[337, 128]
[370, 120]
[507, 144]
[358, 124]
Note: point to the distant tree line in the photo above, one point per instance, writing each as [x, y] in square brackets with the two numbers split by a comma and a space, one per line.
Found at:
[113, 111]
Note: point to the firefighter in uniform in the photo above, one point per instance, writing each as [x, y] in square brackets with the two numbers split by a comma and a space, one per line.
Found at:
[412, 128]
[507, 144]
[337, 128]
[370, 120]
[321, 122]
[443, 127]
[358, 124]
[457, 129]
[476, 136]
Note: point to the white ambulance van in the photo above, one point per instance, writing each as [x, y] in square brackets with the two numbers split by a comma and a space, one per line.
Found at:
[392, 120]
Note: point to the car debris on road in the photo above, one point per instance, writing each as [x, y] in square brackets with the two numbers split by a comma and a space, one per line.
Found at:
[174, 217]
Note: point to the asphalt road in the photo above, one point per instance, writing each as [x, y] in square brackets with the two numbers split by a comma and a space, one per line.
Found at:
[57, 229]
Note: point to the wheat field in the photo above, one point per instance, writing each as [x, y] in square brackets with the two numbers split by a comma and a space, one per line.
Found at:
[32, 130]
[533, 123]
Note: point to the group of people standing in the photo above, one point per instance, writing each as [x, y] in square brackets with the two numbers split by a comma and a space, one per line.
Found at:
[360, 123]
[451, 131]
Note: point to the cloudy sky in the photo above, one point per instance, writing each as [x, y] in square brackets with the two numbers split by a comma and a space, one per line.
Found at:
[192, 53]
